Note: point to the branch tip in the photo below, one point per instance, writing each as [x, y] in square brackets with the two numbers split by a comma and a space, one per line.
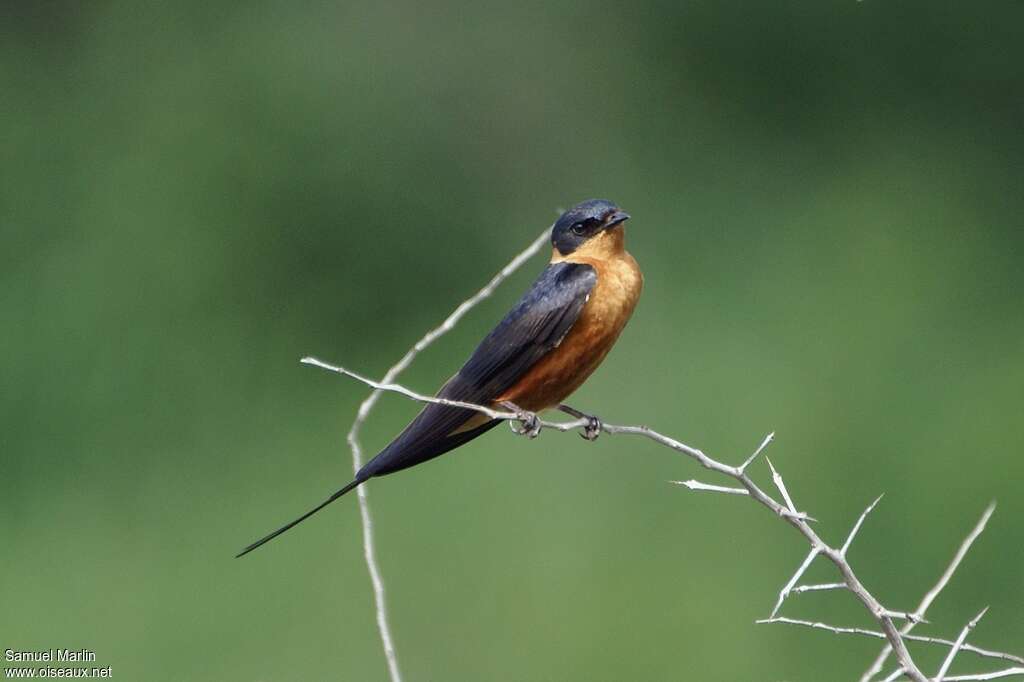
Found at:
[856, 527]
[767, 440]
[971, 624]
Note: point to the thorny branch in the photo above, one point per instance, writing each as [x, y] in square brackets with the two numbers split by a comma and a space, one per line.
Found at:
[786, 510]
[926, 602]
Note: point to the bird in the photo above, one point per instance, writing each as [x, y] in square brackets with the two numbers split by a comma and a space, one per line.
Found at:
[547, 345]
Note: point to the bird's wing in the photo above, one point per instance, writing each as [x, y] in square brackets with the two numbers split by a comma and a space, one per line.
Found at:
[532, 329]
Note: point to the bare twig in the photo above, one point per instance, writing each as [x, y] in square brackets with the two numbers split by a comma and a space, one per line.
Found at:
[930, 596]
[697, 485]
[999, 674]
[788, 587]
[800, 589]
[367, 406]
[821, 626]
[941, 675]
[760, 448]
[856, 526]
[938, 641]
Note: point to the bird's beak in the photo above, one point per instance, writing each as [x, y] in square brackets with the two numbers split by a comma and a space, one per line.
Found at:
[614, 218]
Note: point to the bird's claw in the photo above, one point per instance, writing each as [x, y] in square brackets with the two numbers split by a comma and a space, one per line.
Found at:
[593, 428]
[530, 424]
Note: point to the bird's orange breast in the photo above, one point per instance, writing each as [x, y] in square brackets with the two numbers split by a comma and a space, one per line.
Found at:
[605, 314]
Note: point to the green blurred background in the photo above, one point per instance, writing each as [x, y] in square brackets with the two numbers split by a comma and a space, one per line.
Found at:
[827, 203]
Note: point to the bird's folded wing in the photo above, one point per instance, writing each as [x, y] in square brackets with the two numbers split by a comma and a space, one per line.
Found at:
[532, 329]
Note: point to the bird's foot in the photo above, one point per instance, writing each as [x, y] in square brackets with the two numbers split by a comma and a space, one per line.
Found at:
[530, 422]
[593, 427]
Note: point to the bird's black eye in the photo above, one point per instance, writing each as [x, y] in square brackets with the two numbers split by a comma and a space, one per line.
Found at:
[584, 226]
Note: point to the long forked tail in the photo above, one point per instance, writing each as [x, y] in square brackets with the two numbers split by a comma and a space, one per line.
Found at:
[314, 510]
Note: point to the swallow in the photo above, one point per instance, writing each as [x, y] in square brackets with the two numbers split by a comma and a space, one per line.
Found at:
[544, 349]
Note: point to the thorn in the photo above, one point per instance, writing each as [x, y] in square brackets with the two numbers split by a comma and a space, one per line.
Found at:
[767, 440]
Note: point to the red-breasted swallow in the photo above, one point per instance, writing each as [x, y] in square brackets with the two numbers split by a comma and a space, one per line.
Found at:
[543, 350]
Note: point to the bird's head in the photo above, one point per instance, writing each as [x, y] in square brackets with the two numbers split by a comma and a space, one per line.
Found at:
[589, 226]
